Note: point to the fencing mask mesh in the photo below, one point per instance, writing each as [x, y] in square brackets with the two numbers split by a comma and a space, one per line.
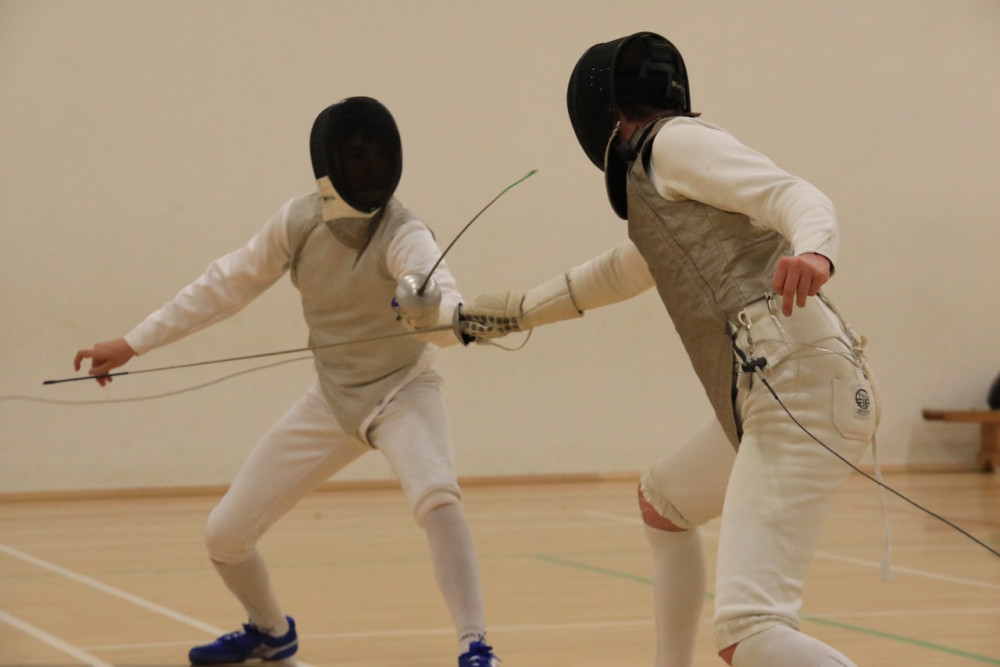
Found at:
[356, 145]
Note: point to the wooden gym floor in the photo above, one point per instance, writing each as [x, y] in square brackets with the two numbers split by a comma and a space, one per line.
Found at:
[565, 572]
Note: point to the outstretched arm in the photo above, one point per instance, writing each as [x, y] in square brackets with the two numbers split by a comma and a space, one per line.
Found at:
[228, 284]
[614, 276]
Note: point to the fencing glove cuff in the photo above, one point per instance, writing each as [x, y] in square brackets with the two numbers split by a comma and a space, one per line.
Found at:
[496, 314]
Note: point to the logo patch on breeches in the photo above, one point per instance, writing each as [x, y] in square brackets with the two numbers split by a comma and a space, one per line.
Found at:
[862, 402]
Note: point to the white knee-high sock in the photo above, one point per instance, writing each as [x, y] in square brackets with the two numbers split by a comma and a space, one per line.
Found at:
[456, 570]
[251, 584]
[781, 646]
[679, 587]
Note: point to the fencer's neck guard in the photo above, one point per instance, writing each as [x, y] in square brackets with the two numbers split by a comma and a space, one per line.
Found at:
[333, 205]
[618, 159]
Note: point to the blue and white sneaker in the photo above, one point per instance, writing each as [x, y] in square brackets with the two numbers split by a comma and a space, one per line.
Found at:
[480, 654]
[247, 644]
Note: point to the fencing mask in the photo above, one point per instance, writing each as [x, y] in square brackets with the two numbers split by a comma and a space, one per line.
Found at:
[642, 71]
[357, 155]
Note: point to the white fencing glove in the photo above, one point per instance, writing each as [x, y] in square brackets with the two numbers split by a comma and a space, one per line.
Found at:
[417, 310]
[496, 314]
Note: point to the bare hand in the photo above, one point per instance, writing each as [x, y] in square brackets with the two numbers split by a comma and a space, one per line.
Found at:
[105, 357]
[799, 277]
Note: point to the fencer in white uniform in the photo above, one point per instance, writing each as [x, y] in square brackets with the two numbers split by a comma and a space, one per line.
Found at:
[349, 247]
[738, 250]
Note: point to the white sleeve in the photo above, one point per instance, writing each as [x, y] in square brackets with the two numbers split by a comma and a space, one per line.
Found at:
[616, 275]
[228, 284]
[692, 159]
[414, 250]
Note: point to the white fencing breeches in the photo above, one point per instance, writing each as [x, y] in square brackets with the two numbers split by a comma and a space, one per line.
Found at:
[306, 446]
[781, 482]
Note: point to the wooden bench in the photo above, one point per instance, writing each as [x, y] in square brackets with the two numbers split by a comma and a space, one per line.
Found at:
[988, 458]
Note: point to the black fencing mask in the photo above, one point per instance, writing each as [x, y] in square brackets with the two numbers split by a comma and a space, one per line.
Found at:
[643, 70]
[356, 151]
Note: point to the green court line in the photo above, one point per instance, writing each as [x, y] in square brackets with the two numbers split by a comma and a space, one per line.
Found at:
[555, 560]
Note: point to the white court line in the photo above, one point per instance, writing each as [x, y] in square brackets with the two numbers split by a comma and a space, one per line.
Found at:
[910, 570]
[52, 641]
[111, 590]
[117, 592]
[829, 556]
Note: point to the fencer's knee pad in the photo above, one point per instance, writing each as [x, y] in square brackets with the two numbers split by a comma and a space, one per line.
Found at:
[686, 516]
[435, 498]
[652, 517]
[227, 542]
[687, 485]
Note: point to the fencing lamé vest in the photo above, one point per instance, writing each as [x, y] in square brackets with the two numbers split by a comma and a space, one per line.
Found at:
[339, 267]
[708, 264]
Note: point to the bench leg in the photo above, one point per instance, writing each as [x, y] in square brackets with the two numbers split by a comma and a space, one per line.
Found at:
[988, 458]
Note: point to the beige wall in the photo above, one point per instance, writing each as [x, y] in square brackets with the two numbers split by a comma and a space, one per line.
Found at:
[139, 140]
